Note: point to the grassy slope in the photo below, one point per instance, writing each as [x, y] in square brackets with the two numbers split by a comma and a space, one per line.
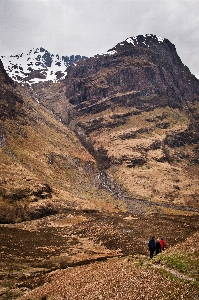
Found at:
[183, 257]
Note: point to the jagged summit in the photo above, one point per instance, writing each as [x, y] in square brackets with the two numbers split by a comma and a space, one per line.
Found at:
[38, 65]
[147, 41]
[147, 38]
[143, 40]
[143, 64]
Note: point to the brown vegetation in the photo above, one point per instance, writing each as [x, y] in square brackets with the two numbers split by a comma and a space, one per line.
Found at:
[93, 166]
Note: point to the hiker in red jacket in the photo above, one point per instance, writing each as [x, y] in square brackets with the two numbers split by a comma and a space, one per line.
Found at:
[162, 244]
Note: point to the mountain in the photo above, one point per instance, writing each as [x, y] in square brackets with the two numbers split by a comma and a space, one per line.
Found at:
[38, 65]
[136, 110]
[131, 113]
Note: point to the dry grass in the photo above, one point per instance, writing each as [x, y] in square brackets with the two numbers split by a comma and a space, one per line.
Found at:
[42, 150]
[142, 162]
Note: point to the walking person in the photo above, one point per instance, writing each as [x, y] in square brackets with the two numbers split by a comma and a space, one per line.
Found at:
[151, 246]
[163, 244]
[157, 246]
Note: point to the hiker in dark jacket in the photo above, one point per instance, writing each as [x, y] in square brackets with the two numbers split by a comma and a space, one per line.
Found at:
[151, 246]
[157, 246]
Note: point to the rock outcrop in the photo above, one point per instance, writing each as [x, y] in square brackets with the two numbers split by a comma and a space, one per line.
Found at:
[10, 99]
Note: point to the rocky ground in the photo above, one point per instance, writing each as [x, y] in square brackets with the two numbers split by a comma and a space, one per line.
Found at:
[92, 255]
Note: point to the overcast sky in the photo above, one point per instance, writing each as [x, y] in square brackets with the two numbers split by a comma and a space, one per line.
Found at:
[89, 27]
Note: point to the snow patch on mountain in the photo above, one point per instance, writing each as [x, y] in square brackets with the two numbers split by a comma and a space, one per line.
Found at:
[38, 65]
[140, 40]
[145, 39]
[110, 52]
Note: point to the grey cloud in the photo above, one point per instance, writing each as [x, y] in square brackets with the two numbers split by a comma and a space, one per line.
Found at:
[89, 27]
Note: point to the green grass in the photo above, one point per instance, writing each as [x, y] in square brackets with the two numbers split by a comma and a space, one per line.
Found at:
[184, 262]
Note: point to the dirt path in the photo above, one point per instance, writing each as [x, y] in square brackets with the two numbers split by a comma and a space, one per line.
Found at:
[174, 272]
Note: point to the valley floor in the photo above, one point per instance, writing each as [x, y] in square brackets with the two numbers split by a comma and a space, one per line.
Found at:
[116, 278]
[94, 255]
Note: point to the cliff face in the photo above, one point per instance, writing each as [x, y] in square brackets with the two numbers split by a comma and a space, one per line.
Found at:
[136, 109]
[10, 99]
[145, 67]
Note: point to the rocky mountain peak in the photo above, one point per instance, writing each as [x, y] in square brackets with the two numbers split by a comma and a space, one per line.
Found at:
[136, 109]
[145, 41]
[143, 64]
[153, 47]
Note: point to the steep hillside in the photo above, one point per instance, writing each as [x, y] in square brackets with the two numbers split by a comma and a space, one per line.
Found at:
[44, 167]
[136, 110]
